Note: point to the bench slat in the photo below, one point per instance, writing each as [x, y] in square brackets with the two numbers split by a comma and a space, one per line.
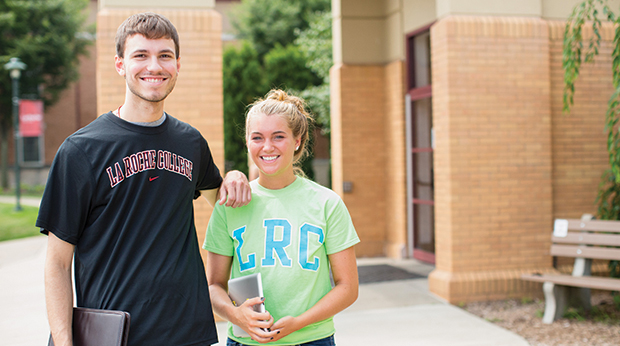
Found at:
[595, 282]
[589, 238]
[594, 225]
[585, 252]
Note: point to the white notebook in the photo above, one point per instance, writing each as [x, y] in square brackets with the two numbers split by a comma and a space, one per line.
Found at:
[244, 288]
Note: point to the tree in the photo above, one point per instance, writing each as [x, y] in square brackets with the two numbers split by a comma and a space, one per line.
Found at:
[272, 27]
[45, 35]
[286, 68]
[268, 22]
[242, 84]
[589, 11]
[315, 43]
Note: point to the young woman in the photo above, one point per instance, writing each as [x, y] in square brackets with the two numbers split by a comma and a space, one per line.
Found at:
[292, 232]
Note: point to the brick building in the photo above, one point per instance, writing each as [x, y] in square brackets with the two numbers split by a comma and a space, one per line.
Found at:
[448, 143]
[76, 108]
[448, 139]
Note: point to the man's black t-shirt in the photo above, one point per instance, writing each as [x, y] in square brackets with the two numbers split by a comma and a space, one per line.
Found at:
[123, 194]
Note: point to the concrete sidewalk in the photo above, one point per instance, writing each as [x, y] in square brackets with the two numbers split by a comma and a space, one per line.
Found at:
[29, 201]
[399, 312]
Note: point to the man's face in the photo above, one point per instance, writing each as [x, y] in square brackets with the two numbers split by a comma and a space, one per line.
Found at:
[150, 67]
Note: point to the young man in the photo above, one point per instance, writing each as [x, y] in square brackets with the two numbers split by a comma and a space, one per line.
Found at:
[119, 201]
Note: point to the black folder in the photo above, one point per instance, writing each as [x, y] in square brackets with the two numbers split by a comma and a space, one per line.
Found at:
[95, 327]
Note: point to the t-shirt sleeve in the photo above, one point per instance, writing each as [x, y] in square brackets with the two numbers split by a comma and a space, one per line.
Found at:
[217, 239]
[341, 233]
[209, 176]
[67, 196]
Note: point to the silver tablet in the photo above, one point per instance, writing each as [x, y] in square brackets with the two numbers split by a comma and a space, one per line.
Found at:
[241, 289]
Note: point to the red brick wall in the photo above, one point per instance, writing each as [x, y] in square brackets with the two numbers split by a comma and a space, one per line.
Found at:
[76, 108]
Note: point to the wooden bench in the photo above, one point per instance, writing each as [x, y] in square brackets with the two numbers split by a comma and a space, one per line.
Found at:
[584, 240]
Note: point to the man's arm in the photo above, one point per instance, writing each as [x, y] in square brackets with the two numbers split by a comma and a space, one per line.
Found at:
[59, 289]
[234, 191]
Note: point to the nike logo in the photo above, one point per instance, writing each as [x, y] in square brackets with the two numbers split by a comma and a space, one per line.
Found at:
[153, 178]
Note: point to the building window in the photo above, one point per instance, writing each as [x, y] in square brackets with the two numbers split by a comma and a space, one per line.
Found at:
[31, 153]
[420, 141]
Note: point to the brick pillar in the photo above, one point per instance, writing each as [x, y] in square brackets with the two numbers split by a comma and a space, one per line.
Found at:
[507, 160]
[368, 145]
[493, 161]
[197, 98]
[358, 150]
[395, 180]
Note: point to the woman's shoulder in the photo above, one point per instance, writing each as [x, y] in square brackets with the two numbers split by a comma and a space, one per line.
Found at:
[318, 190]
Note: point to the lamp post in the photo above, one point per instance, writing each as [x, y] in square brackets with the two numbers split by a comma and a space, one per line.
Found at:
[15, 66]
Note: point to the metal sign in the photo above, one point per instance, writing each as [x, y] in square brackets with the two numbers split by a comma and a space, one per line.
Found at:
[30, 118]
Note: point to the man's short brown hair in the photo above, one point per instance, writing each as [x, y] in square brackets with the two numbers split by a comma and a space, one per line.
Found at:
[151, 25]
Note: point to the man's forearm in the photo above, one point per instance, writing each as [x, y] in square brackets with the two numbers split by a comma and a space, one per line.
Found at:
[235, 191]
[59, 298]
[59, 303]
[211, 196]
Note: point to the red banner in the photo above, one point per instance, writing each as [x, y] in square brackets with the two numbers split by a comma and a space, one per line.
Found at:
[30, 118]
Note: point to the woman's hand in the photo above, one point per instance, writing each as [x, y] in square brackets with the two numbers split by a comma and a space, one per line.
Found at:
[256, 324]
[344, 293]
[285, 326]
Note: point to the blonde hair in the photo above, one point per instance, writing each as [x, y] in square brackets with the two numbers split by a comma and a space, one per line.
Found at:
[293, 110]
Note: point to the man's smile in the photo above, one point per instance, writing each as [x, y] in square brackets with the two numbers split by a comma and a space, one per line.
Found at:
[151, 79]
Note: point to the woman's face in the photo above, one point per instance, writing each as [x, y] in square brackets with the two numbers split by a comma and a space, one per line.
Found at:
[271, 144]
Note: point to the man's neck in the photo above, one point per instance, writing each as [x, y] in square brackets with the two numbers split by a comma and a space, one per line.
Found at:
[141, 112]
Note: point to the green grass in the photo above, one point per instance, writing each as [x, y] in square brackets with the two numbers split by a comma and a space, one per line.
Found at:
[526, 300]
[17, 224]
[606, 312]
[26, 190]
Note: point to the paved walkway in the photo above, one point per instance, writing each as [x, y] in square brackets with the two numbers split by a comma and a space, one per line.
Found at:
[29, 201]
[399, 312]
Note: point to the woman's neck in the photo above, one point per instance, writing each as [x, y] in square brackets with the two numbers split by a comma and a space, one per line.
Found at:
[276, 183]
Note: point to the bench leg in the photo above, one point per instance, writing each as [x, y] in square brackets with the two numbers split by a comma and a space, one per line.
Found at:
[580, 298]
[556, 298]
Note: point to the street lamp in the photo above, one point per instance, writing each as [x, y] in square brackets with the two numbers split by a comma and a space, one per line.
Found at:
[15, 66]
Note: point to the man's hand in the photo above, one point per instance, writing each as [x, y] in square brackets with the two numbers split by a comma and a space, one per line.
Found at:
[237, 188]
